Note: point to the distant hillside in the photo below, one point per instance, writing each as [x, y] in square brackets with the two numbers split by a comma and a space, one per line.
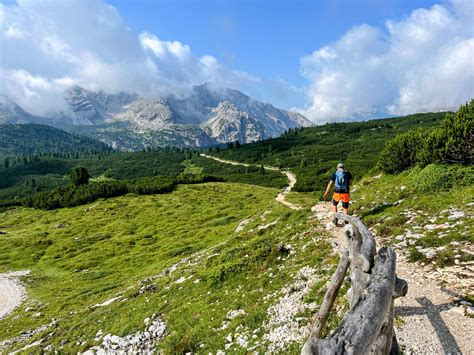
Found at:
[312, 153]
[33, 139]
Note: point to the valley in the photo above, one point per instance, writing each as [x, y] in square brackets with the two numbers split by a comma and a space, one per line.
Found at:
[225, 249]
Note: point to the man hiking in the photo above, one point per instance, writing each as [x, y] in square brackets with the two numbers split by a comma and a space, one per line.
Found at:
[341, 180]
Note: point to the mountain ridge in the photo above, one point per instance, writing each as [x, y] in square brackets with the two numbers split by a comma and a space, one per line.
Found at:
[205, 116]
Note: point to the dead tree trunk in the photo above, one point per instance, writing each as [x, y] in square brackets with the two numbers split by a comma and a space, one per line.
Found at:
[368, 326]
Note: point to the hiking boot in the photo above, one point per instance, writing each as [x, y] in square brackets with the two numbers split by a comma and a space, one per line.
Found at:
[334, 221]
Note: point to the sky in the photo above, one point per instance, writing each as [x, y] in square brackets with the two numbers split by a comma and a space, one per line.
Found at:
[333, 60]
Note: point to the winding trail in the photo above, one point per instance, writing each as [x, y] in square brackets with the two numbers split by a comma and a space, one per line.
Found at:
[12, 291]
[432, 319]
[281, 196]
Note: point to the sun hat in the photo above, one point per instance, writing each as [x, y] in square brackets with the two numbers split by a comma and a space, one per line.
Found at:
[340, 166]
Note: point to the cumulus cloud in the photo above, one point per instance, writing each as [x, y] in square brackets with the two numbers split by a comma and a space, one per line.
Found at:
[51, 45]
[424, 62]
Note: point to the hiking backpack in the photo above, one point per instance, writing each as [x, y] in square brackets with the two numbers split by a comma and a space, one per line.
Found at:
[342, 183]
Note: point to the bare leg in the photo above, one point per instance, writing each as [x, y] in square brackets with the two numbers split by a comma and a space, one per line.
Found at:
[346, 210]
[334, 208]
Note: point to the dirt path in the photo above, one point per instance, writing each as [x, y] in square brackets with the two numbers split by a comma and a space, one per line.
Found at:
[12, 292]
[281, 196]
[432, 319]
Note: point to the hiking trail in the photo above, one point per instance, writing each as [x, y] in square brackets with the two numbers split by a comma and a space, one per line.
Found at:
[281, 196]
[429, 319]
[12, 291]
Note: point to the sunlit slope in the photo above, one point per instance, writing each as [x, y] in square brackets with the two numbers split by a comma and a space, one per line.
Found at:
[177, 256]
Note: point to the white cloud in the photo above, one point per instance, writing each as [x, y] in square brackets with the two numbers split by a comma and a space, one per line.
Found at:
[50, 45]
[424, 62]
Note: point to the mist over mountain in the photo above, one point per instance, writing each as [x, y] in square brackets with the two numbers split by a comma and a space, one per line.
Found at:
[204, 116]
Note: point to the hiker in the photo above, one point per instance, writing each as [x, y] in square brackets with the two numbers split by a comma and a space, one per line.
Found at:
[341, 180]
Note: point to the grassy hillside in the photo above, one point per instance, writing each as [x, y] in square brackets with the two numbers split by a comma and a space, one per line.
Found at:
[427, 212]
[179, 257]
[312, 153]
[48, 172]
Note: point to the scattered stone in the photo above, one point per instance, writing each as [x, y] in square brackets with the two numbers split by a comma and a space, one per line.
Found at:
[436, 226]
[139, 342]
[470, 311]
[106, 303]
[429, 253]
[59, 226]
[456, 215]
[235, 313]
[282, 326]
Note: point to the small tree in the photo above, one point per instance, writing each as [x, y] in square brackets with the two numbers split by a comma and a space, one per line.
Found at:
[458, 132]
[80, 176]
[237, 145]
[401, 152]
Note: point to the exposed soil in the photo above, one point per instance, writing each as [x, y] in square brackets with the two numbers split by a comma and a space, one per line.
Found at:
[430, 319]
[12, 292]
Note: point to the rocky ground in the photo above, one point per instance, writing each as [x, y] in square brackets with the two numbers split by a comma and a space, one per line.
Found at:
[432, 318]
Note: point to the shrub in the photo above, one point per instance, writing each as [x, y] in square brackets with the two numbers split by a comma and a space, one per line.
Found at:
[437, 177]
[80, 176]
[459, 135]
[400, 153]
[150, 185]
[451, 143]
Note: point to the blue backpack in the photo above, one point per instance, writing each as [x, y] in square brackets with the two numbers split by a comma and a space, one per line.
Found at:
[342, 182]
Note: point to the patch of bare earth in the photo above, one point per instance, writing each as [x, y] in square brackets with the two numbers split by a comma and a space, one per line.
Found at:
[431, 318]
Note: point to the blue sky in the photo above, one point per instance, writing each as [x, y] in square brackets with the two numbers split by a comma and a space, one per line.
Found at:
[265, 38]
[330, 60]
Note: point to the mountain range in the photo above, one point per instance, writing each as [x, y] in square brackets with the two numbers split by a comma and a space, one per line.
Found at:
[204, 116]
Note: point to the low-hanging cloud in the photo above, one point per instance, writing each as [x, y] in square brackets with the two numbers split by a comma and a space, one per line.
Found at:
[49, 46]
[424, 62]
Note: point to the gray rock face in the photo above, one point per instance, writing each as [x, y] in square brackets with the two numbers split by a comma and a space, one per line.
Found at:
[11, 113]
[204, 116]
[149, 114]
[230, 124]
[91, 108]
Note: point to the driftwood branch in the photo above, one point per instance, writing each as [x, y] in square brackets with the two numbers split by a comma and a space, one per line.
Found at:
[361, 326]
[401, 288]
[368, 325]
[330, 296]
[367, 249]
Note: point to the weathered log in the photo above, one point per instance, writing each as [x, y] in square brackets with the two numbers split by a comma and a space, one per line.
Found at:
[368, 246]
[362, 324]
[359, 278]
[401, 288]
[383, 343]
[330, 296]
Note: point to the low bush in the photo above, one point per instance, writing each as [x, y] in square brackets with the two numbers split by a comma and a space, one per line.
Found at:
[440, 177]
[451, 143]
[400, 153]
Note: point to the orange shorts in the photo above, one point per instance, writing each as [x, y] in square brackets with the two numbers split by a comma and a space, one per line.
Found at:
[341, 197]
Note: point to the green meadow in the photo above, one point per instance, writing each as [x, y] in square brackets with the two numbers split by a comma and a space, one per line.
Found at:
[126, 247]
